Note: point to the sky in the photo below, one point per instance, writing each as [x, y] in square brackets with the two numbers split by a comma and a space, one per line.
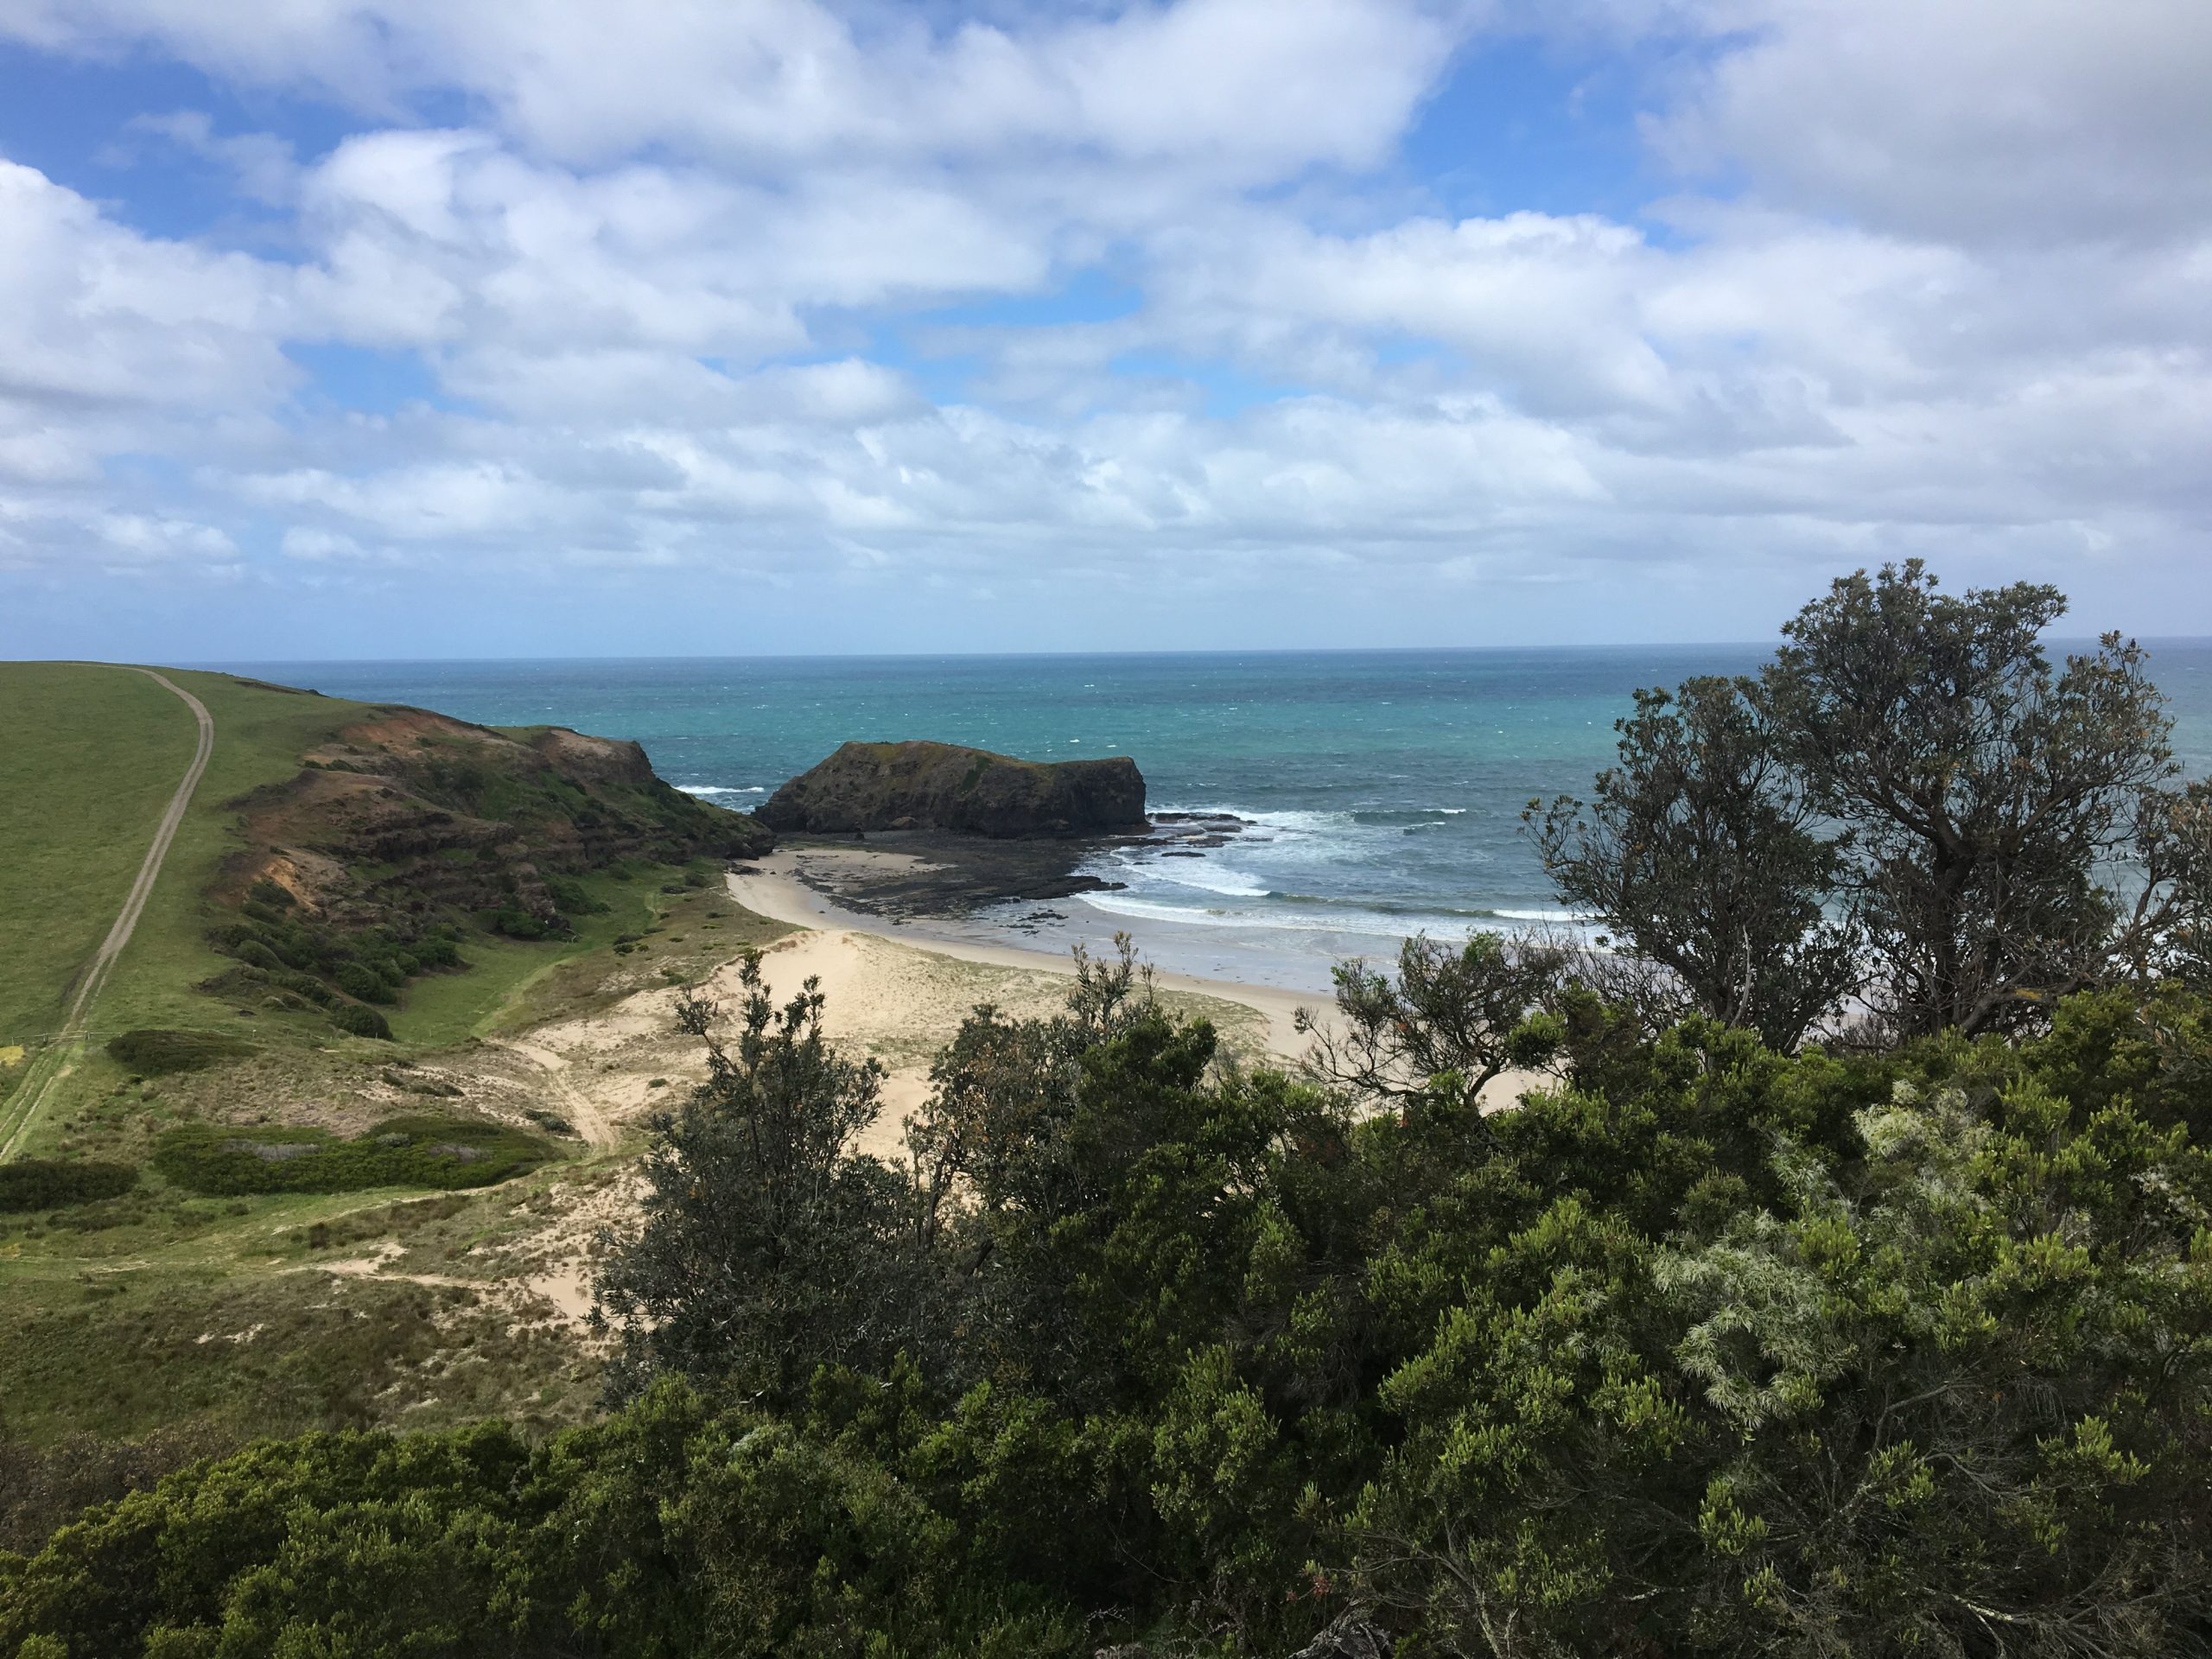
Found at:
[412, 329]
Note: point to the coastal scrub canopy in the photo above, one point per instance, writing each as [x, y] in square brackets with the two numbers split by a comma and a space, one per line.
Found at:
[1910, 815]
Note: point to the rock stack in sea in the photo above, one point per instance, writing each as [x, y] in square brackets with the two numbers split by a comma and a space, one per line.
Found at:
[945, 786]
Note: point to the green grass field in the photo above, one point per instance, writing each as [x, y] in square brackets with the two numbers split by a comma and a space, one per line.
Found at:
[159, 1309]
[91, 758]
[260, 735]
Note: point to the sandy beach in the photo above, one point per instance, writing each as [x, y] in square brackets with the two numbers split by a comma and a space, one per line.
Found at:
[892, 989]
[896, 991]
[775, 890]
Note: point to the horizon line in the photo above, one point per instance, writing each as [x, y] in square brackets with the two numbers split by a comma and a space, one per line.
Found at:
[227, 664]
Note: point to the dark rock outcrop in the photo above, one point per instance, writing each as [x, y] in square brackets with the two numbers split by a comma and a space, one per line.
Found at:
[920, 785]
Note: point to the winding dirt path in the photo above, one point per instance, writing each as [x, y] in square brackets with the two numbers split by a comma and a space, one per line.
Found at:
[598, 1130]
[55, 1061]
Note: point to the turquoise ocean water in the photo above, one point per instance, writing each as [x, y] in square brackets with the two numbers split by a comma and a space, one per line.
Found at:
[1385, 788]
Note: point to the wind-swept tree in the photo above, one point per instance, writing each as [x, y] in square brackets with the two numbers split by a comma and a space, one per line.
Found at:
[1702, 854]
[769, 1245]
[1448, 1023]
[1992, 800]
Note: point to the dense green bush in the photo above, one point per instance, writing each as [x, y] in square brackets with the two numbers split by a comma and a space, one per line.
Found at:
[360, 1021]
[53, 1183]
[309, 957]
[361, 979]
[416, 1151]
[572, 897]
[255, 954]
[302, 985]
[1703, 1349]
[159, 1053]
[671, 1529]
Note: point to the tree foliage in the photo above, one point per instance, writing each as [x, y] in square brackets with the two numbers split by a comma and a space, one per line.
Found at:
[1449, 1022]
[760, 1220]
[1702, 849]
[1988, 792]
[1705, 1349]
[1910, 814]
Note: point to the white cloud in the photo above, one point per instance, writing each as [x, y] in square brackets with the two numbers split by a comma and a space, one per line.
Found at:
[92, 313]
[1968, 119]
[662, 295]
[1252, 87]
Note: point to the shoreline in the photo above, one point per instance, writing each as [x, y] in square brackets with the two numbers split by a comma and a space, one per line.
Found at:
[772, 887]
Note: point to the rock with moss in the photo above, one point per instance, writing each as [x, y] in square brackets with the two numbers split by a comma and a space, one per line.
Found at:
[945, 786]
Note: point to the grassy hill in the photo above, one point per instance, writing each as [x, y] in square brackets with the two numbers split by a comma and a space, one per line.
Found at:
[465, 882]
[92, 757]
[507, 850]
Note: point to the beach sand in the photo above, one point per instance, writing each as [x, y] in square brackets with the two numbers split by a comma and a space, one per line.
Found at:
[775, 890]
[898, 994]
[894, 991]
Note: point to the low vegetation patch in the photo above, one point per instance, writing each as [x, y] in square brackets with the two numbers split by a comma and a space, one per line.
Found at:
[293, 953]
[57, 1184]
[360, 1020]
[415, 1151]
[161, 1053]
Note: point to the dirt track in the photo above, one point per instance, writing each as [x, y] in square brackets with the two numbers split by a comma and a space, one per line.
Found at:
[53, 1063]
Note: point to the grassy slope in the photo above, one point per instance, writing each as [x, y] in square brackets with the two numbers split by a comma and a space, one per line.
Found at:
[102, 1312]
[89, 759]
[259, 737]
[156, 1310]
[260, 734]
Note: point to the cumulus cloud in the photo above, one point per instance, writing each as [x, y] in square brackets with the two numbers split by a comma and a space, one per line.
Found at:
[790, 285]
[1973, 120]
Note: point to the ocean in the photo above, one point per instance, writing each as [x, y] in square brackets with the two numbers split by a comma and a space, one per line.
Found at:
[1383, 789]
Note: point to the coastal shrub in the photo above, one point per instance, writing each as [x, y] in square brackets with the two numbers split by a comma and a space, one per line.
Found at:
[358, 980]
[515, 923]
[304, 985]
[54, 1183]
[271, 894]
[573, 898]
[308, 958]
[1878, 1326]
[668, 1528]
[360, 1021]
[258, 955]
[160, 1053]
[219, 1159]
[1703, 1349]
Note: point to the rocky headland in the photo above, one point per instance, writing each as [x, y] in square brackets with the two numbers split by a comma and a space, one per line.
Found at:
[945, 787]
[414, 815]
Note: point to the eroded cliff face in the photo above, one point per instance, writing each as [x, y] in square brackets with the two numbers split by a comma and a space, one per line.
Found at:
[415, 813]
[922, 786]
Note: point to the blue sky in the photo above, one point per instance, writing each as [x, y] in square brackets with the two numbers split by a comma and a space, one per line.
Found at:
[395, 328]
